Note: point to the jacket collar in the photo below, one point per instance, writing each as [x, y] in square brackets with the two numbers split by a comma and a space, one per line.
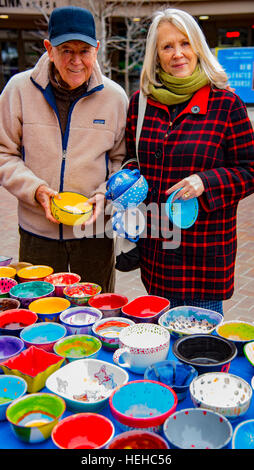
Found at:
[40, 74]
[197, 105]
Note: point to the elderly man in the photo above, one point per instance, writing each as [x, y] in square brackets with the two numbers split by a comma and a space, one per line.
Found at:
[62, 128]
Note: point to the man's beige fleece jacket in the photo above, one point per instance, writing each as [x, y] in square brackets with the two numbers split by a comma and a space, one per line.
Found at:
[34, 152]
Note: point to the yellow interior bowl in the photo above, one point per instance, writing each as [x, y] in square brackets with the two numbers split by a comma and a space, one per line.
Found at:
[34, 272]
[49, 305]
[7, 271]
[71, 209]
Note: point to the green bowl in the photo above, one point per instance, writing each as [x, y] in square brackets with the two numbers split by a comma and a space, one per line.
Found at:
[75, 347]
[239, 332]
[33, 417]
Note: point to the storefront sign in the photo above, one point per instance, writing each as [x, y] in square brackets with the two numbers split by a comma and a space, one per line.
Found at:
[28, 4]
[238, 63]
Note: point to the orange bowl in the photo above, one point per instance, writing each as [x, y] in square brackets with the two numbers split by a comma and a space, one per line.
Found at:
[34, 273]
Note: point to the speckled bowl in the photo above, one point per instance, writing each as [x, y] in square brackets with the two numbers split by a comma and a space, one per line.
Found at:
[11, 388]
[221, 392]
[27, 292]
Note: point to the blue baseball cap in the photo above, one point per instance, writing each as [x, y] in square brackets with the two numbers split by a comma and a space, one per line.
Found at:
[71, 23]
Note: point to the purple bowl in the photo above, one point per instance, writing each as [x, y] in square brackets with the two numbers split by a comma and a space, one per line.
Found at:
[10, 346]
[79, 320]
[5, 260]
[26, 292]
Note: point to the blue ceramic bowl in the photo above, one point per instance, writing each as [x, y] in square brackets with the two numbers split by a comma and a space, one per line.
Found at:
[175, 374]
[11, 388]
[195, 428]
[182, 213]
[133, 196]
[79, 320]
[187, 320]
[142, 404]
[129, 224]
[243, 435]
[119, 182]
[43, 335]
[26, 292]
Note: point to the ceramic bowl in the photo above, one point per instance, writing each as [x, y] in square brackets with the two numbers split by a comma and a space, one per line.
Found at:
[119, 182]
[187, 320]
[34, 273]
[33, 417]
[146, 308]
[6, 271]
[79, 320]
[182, 212]
[175, 374]
[86, 384]
[248, 350]
[6, 283]
[5, 260]
[8, 304]
[10, 346]
[83, 431]
[221, 392]
[107, 331]
[79, 294]
[75, 347]
[48, 309]
[240, 332]
[11, 388]
[138, 440]
[13, 321]
[62, 280]
[34, 365]
[195, 428]
[71, 208]
[19, 265]
[109, 304]
[129, 224]
[207, 353]
[243, 435]
[133, 196]
[26, 292]
[141, 345]
[43, 335]
[142, 404]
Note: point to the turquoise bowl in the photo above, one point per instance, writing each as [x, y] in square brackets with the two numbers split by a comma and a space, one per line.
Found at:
[26, 292]
[182, 213]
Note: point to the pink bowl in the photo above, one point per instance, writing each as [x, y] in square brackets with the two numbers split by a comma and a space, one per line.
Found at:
[62, 280]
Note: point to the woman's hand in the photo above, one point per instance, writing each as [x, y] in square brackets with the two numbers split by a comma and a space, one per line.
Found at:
[98, 202]
[43, 196]
[192, 186]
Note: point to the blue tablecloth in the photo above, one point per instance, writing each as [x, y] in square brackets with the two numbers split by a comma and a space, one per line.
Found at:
[239, 366]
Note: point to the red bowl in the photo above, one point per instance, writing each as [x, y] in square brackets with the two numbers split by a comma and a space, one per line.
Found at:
[138, 440]
[14, 320]
[62, 280]
[109, 304]
[83, 431]
[146, 308]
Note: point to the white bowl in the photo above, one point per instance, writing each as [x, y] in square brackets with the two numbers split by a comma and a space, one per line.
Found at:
[221, 392]
[86, 384]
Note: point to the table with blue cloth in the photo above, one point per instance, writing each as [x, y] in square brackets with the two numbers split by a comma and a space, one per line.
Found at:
[240, 366]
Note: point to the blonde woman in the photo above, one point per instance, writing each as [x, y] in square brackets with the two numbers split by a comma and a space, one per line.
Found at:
[196, 137]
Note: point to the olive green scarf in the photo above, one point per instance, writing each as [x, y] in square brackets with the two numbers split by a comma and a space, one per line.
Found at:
[177, 89]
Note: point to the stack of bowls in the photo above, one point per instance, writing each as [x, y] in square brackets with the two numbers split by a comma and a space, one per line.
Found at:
[126, 188]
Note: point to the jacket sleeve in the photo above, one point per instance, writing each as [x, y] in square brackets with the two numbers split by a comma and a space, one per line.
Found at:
[15, 176]
[227, 185]
[130, 160]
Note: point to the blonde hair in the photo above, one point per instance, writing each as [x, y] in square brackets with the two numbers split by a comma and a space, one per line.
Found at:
[188, 26]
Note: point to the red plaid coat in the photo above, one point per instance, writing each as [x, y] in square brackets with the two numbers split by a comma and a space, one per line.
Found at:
[212, 137]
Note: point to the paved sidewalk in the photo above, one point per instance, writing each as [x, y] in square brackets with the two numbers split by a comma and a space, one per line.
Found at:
[240, 306]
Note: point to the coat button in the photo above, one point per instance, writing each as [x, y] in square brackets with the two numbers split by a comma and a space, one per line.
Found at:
[158, 153]
[195, 109]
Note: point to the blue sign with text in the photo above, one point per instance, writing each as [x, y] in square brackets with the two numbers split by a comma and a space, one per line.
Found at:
[238, 63]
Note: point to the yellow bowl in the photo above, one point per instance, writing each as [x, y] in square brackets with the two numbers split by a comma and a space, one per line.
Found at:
[34, 273]
[7, 271]
[71, 208]
[49, 308]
